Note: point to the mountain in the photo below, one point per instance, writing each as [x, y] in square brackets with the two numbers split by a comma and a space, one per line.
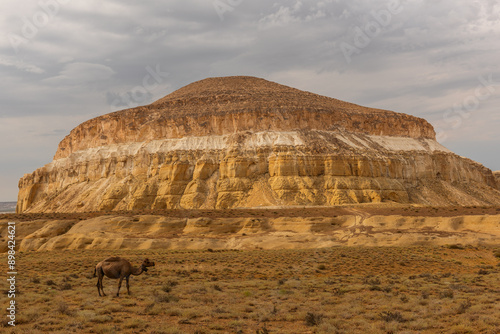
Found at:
[247, 142]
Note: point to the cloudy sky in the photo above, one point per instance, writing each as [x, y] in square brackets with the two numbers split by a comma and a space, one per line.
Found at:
[65, 61]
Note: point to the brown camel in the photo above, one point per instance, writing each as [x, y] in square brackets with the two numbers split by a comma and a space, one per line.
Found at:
[117, 267]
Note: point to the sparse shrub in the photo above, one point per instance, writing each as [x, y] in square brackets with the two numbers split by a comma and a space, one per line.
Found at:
[63, 308]
[464, 306]
[162, 298]
[134, 323]
[321, 267]
[183, 273]
[219, 310]
[483, 272]
[262, 330]
[284, 292]
[373, 281]
[446, 294]
[455, 246]
[404, 298]
[50, 282]
[200, 331]
[217, 287]
[65, 286]
[152, 309]
[338, 292]
[389, 316]
[35, 280]
[171, 283]
[313, 319]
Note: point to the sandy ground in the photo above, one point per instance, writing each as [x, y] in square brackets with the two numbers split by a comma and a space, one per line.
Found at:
[270, 228]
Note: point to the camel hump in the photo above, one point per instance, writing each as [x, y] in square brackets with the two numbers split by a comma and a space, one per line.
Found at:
[113, 259]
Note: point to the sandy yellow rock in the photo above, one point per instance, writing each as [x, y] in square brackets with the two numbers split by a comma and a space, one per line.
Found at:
[150, 232]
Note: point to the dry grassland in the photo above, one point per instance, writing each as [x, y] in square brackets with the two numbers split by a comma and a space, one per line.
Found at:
[451, 289]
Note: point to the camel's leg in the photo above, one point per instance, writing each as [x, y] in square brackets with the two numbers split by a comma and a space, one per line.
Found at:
[99, 286]
[119, 286]
[102, 288]
[100, 278]
[128, 289]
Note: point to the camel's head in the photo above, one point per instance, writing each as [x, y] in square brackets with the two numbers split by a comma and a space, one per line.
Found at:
[146, 263]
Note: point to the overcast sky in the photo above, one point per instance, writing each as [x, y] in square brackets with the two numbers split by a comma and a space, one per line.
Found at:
[65, 61]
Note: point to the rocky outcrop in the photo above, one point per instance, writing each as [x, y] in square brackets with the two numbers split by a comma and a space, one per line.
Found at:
[246, 142]
[497, 177]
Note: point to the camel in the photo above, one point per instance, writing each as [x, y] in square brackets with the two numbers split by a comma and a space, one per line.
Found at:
[116, 267]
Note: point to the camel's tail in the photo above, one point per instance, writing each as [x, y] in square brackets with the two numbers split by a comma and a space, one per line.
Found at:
[98, 270]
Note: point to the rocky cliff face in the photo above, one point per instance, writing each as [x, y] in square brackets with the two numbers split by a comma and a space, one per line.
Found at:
[247, 142]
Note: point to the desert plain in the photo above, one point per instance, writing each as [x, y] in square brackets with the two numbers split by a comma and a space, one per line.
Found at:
[375, 269]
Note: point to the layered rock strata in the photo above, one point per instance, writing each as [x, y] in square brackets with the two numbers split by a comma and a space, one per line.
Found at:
[247, 142]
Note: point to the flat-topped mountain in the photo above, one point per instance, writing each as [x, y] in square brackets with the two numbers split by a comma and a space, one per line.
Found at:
[221, 106]
[247, 142]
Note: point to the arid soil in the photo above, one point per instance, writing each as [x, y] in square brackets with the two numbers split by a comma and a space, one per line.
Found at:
[447, 284]
[447, 289]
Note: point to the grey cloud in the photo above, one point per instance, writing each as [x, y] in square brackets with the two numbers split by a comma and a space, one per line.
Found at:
[20, 65]
[93, 56]
[80, 74]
